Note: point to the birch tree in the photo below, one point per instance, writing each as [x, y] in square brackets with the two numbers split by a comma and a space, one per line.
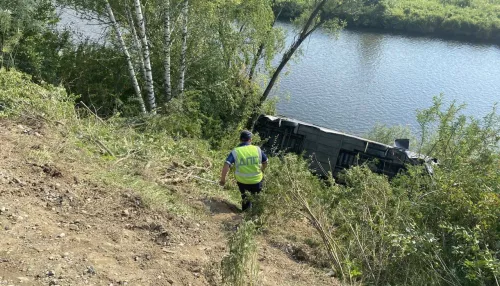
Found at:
[168, 50]
[147, 61]
[137, 42]
[183, 64]
[121, 41]
[216, 41]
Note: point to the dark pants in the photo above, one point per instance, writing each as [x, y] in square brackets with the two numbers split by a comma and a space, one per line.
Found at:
[253, 189]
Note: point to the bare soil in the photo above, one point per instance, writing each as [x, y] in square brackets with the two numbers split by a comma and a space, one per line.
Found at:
[58, 226]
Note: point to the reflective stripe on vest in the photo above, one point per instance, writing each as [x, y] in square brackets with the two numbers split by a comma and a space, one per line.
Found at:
[247, 161]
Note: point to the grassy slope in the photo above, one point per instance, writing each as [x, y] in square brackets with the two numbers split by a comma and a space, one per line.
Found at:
[375, 230]
[128, 158]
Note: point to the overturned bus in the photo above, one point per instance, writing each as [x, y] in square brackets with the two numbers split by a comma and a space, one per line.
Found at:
[333, 151]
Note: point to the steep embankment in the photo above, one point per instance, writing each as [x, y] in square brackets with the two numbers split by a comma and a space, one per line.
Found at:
[61, 227]
[72, 214]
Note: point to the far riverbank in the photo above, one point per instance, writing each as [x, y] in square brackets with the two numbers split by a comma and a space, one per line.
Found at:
[474, 21]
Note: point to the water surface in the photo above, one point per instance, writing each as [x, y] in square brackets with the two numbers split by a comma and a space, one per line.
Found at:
[363, 78]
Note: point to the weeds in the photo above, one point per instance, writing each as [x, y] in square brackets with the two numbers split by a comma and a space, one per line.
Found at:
[130, 153]
[415, 229]
[384, 134]
[239, 267]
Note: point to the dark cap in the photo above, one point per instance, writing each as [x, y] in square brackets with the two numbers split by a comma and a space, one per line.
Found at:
[245, 135]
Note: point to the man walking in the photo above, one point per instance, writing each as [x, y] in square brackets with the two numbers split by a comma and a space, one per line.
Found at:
[249, 162]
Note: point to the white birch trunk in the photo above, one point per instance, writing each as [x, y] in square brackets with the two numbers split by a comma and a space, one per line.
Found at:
[168, 50]
[137, 43]
[147, 61]
[131, 70]
[183, 68]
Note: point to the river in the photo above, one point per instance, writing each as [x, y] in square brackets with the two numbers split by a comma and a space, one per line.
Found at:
[363, 78]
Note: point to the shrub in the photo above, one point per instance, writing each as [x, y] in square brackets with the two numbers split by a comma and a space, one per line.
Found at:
[387, 135]
[415, 229]
[19, 97]
[239, 267]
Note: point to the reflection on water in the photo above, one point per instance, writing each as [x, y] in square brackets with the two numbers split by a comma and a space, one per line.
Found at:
[364, 78]
[369, 49]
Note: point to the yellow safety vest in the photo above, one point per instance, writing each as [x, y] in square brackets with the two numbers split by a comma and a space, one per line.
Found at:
[247, 162]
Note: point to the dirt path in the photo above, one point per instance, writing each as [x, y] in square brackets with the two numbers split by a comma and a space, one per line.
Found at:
[57, 227]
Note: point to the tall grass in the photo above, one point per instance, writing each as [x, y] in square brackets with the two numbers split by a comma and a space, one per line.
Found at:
[240, 267]
[415, 229]
[135, 152]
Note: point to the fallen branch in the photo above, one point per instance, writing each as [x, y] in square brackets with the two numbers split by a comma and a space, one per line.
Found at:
[104, 147]
[93, 113]
[100, 144]
[130, 153]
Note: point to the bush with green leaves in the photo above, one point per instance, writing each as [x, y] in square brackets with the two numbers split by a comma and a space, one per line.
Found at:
[239, 267]
[417, 229]
[20, 97]
[29, 40]
[387, 135]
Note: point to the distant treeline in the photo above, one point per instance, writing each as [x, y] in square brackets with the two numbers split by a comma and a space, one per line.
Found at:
[469, 19]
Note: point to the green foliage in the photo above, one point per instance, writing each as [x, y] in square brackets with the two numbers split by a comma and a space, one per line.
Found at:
[415, 229]
[182, 119]
[387, 135]
[476, 20]
[219, 94]
[31, 44]
[472, 19]
[20, 97]
[239, 267]
[279, 192]
[25, 26]
[379, 235]
[96, 73]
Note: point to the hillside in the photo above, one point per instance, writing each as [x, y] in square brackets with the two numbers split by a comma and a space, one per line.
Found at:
[71, 214]
[88, 201]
